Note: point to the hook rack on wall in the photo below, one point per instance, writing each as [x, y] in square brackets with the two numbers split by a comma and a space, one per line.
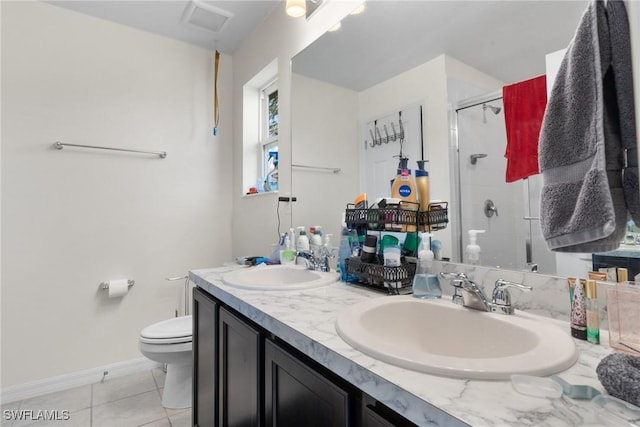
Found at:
[378, 139]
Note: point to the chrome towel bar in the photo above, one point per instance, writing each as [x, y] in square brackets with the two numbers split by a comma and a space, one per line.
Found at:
[60, 145]
[318, 168]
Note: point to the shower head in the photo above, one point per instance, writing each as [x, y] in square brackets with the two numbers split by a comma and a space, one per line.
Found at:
[495, 110]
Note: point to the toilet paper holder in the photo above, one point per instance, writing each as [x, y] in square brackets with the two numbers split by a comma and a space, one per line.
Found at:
[105, 285]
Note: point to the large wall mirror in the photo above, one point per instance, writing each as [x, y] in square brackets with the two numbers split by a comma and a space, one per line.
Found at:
[447, 61]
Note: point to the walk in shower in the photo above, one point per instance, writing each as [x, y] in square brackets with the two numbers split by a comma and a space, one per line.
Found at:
[509, 212]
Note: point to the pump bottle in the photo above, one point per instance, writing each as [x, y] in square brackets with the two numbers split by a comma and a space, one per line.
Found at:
[302, 244]
[404, 188]
[422, 183]
[425, 285]
[473, 250]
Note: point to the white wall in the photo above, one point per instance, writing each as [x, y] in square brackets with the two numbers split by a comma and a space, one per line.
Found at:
[278, 37]
[76, 217]
[325, 132]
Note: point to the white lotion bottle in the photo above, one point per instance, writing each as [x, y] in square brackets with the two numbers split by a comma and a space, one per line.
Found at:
[302, 244]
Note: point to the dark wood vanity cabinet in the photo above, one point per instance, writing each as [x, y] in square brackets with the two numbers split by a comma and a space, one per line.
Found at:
[240, 370]
[297, 395]
[205, 360]
[245, 377]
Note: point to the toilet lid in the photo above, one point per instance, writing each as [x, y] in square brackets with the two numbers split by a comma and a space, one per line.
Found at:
[178, 327]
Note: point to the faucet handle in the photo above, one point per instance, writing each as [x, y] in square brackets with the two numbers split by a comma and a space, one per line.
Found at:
[501, 295]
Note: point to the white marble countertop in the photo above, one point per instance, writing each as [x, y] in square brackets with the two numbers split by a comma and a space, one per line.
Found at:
[305, 319]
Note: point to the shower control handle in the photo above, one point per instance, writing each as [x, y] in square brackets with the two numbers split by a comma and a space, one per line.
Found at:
[490, 208]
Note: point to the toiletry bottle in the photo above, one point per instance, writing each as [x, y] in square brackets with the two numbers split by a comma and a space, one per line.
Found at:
[425, 285]
[344, 252]
[473, 250]
[578, 315]
[368, 253]
[316, 240]
[404, 188]
[392, 259]
[288, 254]
[302, 244]
[354, 241]
[422, 183]
[271, 180]
[593, 315]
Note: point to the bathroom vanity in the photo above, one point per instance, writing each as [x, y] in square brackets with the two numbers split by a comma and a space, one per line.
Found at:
[262, 354]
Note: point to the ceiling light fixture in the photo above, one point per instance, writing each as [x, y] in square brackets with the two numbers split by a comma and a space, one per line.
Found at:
[296, 8]
[358, 10]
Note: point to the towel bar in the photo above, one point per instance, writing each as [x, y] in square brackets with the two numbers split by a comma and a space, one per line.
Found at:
[60, 145]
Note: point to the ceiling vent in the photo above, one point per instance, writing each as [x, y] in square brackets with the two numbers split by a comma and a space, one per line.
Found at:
[203, 16]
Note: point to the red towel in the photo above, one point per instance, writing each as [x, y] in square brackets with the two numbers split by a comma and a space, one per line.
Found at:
[524, 105]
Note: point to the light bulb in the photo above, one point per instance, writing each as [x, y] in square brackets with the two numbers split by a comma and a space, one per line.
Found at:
[296, 8]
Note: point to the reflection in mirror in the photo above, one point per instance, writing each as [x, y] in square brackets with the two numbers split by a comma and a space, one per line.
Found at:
[437, 55]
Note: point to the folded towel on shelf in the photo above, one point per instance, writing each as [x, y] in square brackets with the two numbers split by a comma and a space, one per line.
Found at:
[583, 207]
[524, 105]
[620, 375]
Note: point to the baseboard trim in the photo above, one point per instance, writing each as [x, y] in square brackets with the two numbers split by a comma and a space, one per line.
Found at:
[75, 379]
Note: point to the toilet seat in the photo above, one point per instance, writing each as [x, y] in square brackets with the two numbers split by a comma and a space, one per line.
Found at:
[173, 331]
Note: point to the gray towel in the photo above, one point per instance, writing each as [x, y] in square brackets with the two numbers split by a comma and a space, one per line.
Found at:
[625, 111]
[583, 206]
[620, 376]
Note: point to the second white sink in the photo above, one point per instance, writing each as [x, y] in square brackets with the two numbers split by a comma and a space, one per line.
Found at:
[278, 278]
[439, 337]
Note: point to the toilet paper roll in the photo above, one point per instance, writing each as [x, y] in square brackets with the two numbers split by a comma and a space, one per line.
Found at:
[118, 288]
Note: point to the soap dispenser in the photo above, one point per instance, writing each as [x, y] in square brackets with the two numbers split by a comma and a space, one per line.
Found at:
[425, 285]
[473, 250]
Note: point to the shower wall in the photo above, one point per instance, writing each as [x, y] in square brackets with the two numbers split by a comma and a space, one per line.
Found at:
[482, 134]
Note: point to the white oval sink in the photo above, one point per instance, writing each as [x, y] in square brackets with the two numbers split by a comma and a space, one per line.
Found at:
[278, 278]
[442, 338]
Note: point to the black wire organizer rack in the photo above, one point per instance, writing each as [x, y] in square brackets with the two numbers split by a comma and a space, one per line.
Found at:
[402, 217]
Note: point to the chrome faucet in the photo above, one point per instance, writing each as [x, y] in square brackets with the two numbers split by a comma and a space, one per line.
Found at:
[315, 262]
[467, 293]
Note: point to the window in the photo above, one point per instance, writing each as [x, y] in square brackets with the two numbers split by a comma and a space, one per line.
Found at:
[260, 129]
[269, 131]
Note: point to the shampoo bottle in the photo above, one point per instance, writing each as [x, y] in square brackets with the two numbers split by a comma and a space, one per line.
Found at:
[422, 183]
[472, 250]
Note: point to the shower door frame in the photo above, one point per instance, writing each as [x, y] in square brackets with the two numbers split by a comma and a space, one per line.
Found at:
[457, 228]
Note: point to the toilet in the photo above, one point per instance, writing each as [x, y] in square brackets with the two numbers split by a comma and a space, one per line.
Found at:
[169, 342]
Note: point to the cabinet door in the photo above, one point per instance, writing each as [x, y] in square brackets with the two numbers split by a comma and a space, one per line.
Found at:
[296, 395]
[375, 414]
[240, 373]
[205, 360]
[371, 419]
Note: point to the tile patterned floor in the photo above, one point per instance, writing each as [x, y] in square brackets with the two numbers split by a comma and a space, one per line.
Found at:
[129, 401]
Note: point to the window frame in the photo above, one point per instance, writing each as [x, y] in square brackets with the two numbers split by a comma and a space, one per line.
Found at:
[267, 141]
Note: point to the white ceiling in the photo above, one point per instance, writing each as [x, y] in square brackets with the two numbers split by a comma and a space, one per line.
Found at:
[164, 17]
[504, 39]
